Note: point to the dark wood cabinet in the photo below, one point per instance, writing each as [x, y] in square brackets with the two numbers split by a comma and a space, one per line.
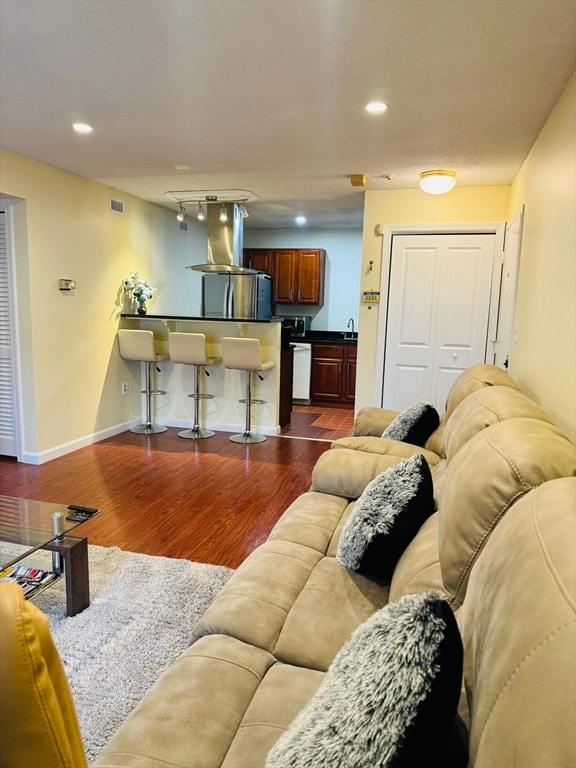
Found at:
[261, 259]
[349, 384]
[333, 374]
[286, 379]
[297, 273]
[299, 276]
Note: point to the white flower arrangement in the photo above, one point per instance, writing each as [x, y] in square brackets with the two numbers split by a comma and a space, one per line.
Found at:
[138, 288]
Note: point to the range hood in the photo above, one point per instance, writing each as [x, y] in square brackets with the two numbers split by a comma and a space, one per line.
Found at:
[225, 240]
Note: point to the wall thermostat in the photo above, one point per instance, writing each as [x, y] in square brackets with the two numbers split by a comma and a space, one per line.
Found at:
[67, 285]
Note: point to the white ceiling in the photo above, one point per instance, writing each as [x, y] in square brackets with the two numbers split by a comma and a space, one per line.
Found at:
[268, 95]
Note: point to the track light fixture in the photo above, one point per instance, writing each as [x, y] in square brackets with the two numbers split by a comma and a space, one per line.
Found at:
[181, 212]
[201, 212]
[223, 213]
[243, 211]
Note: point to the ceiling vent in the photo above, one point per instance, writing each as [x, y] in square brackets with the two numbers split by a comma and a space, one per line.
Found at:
[116, 206]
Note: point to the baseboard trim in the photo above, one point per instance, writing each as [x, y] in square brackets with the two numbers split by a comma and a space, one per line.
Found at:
[74, 445]
[96, 437]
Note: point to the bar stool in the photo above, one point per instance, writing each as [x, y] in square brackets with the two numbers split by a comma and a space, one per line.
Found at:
[244, 355]
[139, 345]
[190, 349]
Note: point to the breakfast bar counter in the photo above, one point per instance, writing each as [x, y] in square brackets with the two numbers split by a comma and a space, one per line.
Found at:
[222, 412]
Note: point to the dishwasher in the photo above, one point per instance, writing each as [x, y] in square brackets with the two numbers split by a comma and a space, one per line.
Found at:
[302, 365]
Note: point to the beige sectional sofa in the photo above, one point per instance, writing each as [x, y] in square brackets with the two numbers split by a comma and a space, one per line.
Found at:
[500, 546]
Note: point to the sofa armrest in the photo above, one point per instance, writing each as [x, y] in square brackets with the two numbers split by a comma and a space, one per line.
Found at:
[346, 472]
[385, 447]
[373, 421]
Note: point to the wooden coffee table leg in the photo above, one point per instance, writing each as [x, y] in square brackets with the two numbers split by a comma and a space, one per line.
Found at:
[74, 550]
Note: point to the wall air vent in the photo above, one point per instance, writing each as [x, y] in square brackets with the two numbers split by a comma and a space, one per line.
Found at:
[116, 206]
[183, 226]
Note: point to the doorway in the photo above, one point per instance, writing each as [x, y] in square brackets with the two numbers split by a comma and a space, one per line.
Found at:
[8, 390]
[439, 316]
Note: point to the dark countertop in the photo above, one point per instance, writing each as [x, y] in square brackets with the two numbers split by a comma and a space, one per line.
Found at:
[202, 319]
[326, 337]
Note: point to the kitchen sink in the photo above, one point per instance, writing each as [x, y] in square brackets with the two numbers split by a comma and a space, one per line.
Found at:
[328, 336]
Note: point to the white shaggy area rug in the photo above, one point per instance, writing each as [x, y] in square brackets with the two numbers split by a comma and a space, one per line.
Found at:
[142, 612]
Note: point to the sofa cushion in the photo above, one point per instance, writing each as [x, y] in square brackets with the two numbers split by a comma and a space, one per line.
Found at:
[474, 378]
[518, 629]
[311, 520]
[216, 705]
[291, 601]
[418, 569]
[254, 603]
[485, 407]
[386, 518]
[414, 424]
[390, 696]
[334, 602]
[488, 474]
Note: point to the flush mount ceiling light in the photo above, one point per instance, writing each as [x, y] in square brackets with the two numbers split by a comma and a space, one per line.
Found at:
[82, 128]
[437, 182]
[376, 107]
[300, 220]
[181, 212]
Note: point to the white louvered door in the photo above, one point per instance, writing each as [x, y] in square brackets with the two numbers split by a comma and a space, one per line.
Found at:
[8, 432]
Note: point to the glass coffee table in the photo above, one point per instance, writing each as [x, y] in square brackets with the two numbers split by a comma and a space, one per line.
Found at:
[34, 525]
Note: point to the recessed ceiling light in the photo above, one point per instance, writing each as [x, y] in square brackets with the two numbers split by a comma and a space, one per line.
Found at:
[300, 220]
[82, 128]
[376, 107]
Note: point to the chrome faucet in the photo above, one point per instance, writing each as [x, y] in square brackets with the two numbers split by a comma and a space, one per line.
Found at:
[351, 322]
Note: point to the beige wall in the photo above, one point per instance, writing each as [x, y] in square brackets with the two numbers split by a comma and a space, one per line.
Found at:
[543, 360]
[71, 371]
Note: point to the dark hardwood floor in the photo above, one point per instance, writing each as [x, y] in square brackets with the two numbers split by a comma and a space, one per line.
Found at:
[210, 501]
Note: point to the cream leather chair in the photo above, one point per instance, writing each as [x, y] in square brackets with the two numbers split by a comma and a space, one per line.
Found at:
[245, 355]
[190, 349]
[139, 345]
[39, 725]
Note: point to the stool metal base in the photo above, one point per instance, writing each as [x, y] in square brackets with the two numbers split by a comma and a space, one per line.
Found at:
[197, 433]
[247, 438]
[148, 429]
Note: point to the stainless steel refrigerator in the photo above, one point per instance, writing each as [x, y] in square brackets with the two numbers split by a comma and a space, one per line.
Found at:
[237, 296]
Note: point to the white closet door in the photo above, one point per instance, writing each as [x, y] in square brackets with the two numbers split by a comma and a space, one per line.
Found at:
[8, 437]
[438, 312]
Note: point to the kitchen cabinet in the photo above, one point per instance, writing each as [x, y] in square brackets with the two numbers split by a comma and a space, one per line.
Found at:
[261, 259]
[333, 376]
[299, 276]
[298, 273]
[286, 378]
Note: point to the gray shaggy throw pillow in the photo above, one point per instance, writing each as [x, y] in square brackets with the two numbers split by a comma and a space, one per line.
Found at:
[414, 425]
[389, 698]
[387, 516]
